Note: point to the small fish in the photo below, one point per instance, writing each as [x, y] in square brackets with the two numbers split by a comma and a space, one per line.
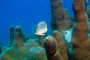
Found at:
[41, 28]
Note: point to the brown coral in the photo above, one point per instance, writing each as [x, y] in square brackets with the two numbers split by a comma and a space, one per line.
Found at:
[80, 39]
[61, 45]
[57, 15]
[18, 37]
[50, 44]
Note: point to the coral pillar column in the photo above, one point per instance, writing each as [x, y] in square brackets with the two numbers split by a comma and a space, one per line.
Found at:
[11, 36]
[18, 37]
[80, 39]
[57, 15]
[61, 46]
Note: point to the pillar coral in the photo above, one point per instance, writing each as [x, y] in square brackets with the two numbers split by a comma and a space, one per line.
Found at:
[67, 18]
[57, 15]
[61, 46]
[50, 45]
[18, 38]
[80, 39]
[11, 36]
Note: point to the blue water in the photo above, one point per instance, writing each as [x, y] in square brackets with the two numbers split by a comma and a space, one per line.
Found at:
[27, 14]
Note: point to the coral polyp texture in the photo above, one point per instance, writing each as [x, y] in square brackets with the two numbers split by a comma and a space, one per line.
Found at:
[80, 39]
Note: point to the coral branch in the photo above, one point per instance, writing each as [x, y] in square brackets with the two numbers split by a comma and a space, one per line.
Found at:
[57, 15]
[80, 40]
[18, 37]
[11, 36]
[61, 45]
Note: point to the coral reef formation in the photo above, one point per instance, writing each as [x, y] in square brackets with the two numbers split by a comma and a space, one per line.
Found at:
[30, 50]
[80, 39]
[50, 44]
[57, 16]
[61, 46]
[18, 38]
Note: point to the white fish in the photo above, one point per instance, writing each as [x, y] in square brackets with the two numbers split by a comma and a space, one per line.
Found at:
[41, 28]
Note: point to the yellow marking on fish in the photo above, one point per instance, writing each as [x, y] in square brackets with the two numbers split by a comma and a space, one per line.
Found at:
[56, 53]
[39, 34]
[46, 30]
